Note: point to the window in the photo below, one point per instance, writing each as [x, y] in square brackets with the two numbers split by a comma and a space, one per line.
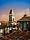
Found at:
[25, 25]
[13, 19]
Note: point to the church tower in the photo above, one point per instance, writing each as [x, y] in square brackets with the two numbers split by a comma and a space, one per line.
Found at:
[11, 16]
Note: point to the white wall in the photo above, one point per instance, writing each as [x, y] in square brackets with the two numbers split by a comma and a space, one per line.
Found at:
[1, 31]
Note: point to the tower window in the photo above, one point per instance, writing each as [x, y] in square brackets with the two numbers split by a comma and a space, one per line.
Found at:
[13, 19]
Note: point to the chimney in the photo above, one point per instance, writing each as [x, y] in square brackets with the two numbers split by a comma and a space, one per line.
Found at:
[25, 15]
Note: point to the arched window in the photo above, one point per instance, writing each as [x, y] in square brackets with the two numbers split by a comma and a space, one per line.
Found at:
[13, 19]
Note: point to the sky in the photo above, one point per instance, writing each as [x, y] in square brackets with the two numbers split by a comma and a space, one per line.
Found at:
[19, 7]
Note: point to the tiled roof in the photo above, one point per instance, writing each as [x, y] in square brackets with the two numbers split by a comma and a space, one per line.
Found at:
[26, 18]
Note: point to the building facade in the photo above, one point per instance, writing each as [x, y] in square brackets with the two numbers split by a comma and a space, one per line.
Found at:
[25, 23]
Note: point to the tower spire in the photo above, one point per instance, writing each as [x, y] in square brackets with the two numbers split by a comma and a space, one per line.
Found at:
[10, 11]
[11, 16]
